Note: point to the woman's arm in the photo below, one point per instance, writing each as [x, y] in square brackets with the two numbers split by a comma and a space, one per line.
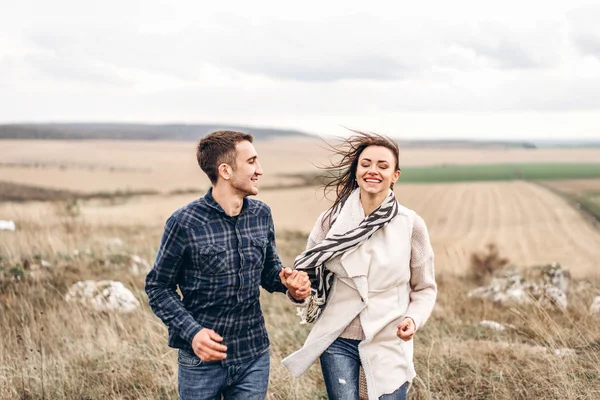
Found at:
[422, 281]
[316, 235]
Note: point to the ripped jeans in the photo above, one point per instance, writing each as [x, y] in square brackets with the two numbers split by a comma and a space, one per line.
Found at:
[340, 364]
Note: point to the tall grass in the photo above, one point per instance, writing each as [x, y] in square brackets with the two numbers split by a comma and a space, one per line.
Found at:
[51, 349]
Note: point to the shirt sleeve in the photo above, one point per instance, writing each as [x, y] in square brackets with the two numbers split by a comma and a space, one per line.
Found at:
[272, 266]
[161, 283]
[422, 282]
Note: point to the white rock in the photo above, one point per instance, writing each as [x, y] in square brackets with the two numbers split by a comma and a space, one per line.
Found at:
[45, 264]
[115, 242]
[103, 296]
[565, 352]
[7, 225]
[557, 276]
[134, 269]
[553, 296]
[595, 307]
[517, 294]
[493, 325]
[138, 266]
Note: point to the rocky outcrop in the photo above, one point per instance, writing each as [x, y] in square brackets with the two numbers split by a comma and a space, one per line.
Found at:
[108, 296]
[547, 285]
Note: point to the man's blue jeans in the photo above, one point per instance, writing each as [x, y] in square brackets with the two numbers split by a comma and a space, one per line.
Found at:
[200, 380]
[340, 364]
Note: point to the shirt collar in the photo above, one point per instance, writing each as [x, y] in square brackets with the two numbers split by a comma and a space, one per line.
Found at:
[212, 203]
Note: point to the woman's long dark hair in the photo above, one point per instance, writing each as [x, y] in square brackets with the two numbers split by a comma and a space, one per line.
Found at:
[340, 176]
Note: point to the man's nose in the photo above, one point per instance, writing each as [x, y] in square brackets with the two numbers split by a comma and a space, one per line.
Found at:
[259, 170]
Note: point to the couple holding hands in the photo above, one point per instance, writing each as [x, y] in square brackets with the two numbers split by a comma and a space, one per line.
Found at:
[366, 279]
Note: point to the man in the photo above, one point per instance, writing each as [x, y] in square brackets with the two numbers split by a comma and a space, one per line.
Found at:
[219, 249]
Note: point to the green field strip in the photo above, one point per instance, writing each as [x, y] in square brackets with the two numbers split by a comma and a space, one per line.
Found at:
[499, 172]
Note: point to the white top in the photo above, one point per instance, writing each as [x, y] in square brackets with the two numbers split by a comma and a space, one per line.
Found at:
[421, 265]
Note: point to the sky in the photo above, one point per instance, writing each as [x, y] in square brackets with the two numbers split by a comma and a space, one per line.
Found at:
[413, 70]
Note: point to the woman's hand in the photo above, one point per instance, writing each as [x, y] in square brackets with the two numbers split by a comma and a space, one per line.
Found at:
[406, 329]
[297, 283]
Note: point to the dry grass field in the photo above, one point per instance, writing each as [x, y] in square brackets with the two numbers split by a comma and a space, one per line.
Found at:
[530, 224]
[584, 193]
[50, 349]
[104, 165]
[575, 186]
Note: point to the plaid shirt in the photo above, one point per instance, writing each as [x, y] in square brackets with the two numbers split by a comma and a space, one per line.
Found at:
[218, 262]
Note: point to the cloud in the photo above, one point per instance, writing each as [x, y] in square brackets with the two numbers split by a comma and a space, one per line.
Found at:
[203, 62]
[346, 47]
[588, 44]
[361, 67]
[584, 30]
[61, 68]
[506, 55]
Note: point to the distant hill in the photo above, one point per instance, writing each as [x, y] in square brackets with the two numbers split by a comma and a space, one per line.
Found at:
[82, 131]
[193, 132]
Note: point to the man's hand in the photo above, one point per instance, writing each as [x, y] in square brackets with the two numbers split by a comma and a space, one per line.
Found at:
[406, 329]
[207, 347]
[296, 282]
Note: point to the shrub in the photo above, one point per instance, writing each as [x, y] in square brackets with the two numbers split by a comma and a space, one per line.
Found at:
[486, 263]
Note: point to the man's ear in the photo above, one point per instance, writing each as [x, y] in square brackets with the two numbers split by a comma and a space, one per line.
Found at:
[225, 171]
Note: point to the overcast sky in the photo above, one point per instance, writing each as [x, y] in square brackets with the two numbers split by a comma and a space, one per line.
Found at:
[464, 69]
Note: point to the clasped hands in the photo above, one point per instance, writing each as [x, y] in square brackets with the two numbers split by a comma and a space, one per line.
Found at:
[297, 283]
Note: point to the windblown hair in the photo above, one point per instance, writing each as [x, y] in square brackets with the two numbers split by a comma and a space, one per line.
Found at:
[218, 148]
[340, 176]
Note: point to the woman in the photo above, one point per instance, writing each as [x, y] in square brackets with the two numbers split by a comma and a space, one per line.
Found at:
[371, 266]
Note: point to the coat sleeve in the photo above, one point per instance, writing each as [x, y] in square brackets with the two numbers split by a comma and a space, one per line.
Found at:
[317, 234]
[422, 275]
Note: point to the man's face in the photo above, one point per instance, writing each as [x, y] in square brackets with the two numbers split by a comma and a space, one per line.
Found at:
[244, 178]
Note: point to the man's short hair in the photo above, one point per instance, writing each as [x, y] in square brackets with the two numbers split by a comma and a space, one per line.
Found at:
[218, 148]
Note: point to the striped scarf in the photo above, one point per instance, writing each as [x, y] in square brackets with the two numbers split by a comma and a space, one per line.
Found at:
[313, 260]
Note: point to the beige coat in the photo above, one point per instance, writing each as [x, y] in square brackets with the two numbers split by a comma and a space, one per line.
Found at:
[377, 282]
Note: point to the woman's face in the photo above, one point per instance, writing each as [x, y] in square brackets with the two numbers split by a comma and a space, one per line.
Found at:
[376, 170]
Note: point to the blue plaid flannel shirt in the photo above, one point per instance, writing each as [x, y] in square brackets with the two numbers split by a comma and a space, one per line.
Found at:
[218, 262]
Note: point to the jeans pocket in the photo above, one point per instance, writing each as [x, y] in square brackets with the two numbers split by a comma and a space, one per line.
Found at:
[186, 359]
